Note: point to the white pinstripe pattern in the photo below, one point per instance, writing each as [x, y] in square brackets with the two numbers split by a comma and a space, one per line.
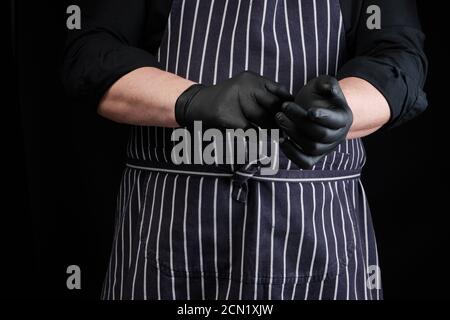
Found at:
[377, 263]
[311, 268]
[328, 38]
[122, 235]
[186, 259]
[247, 38]
[302, 38]
[261, 72]
[291, 60]
[180, 31]
[130, 219]
[291, 55]
[347, 277]
[188, 68]
[358, 151]
[202, 64]
[164, 144]
[361, 249]
[219, 42]
[335, 240]
[158, 236]
[200, 245]
[258, 217]
[286, 240]
[230, 74]
[252, 177]
[119, 216]
[244, 225]
[250, 272]
[342, 158]
[149, 146]
[272, 240]
[215, 239]
[277, 46]
[366, 232]
[128, 148]
[352, 165]
[316, 35]
[230, 237]
[140, 237]
[316, 38]
[148, 235]
[136, 139]
[338, 44]
[141, 130]
[155, 149]
[355, 254]
[171, 235]
[325, 272]
[300, 246]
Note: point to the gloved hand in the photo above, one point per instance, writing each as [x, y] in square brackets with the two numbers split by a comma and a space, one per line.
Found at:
[315, 123]
[237, 103]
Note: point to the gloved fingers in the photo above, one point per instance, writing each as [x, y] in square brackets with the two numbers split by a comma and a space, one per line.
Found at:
[313, 148]
[295, 154]
[333, 118]
[260, 106]
[279, 90]
[264, 84]
[286, 124]
[306, 126]
[295, 112]
[256, 113]
[267, 101]
[271, 99]
[309, 146]
[316, 132]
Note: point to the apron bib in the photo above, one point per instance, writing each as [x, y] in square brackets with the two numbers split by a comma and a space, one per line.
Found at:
[191, 232]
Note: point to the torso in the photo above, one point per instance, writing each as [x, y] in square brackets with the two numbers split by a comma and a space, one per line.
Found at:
[278, 39]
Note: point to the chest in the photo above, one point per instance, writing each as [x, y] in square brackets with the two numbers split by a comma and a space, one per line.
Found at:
[288, 41]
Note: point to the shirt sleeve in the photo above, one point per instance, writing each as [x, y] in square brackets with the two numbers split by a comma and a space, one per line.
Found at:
[391, 58]
[107, 47]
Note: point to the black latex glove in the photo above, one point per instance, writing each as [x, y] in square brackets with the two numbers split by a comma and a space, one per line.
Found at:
[315, 123]
[237, 103]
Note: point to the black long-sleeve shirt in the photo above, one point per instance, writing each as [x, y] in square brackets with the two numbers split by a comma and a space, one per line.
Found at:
[120, 36]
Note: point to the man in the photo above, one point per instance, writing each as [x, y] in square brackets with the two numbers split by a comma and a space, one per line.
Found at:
[228, 232]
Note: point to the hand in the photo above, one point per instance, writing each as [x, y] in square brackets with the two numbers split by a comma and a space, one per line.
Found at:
[315, 123]
[237, 103]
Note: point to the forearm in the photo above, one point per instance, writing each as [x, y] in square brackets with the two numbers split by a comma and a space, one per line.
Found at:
[370, 108]
[145, 96]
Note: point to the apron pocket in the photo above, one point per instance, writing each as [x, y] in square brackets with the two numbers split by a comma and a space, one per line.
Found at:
[286, 232]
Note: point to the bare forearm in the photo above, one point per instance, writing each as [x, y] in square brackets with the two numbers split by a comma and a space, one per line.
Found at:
[370, 108]
[146, 96]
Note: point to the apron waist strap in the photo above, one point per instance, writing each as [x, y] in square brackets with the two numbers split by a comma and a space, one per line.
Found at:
[245, 173]
[241, 175]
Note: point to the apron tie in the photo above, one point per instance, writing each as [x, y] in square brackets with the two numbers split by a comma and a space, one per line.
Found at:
[240, 179]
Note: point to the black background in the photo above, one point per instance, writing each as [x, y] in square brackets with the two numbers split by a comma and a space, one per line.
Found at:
[64, 166]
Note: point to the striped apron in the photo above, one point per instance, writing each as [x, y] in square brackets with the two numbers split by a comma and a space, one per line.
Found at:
[181, 233]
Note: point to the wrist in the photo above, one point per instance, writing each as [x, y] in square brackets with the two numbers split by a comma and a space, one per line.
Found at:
[183, 102]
